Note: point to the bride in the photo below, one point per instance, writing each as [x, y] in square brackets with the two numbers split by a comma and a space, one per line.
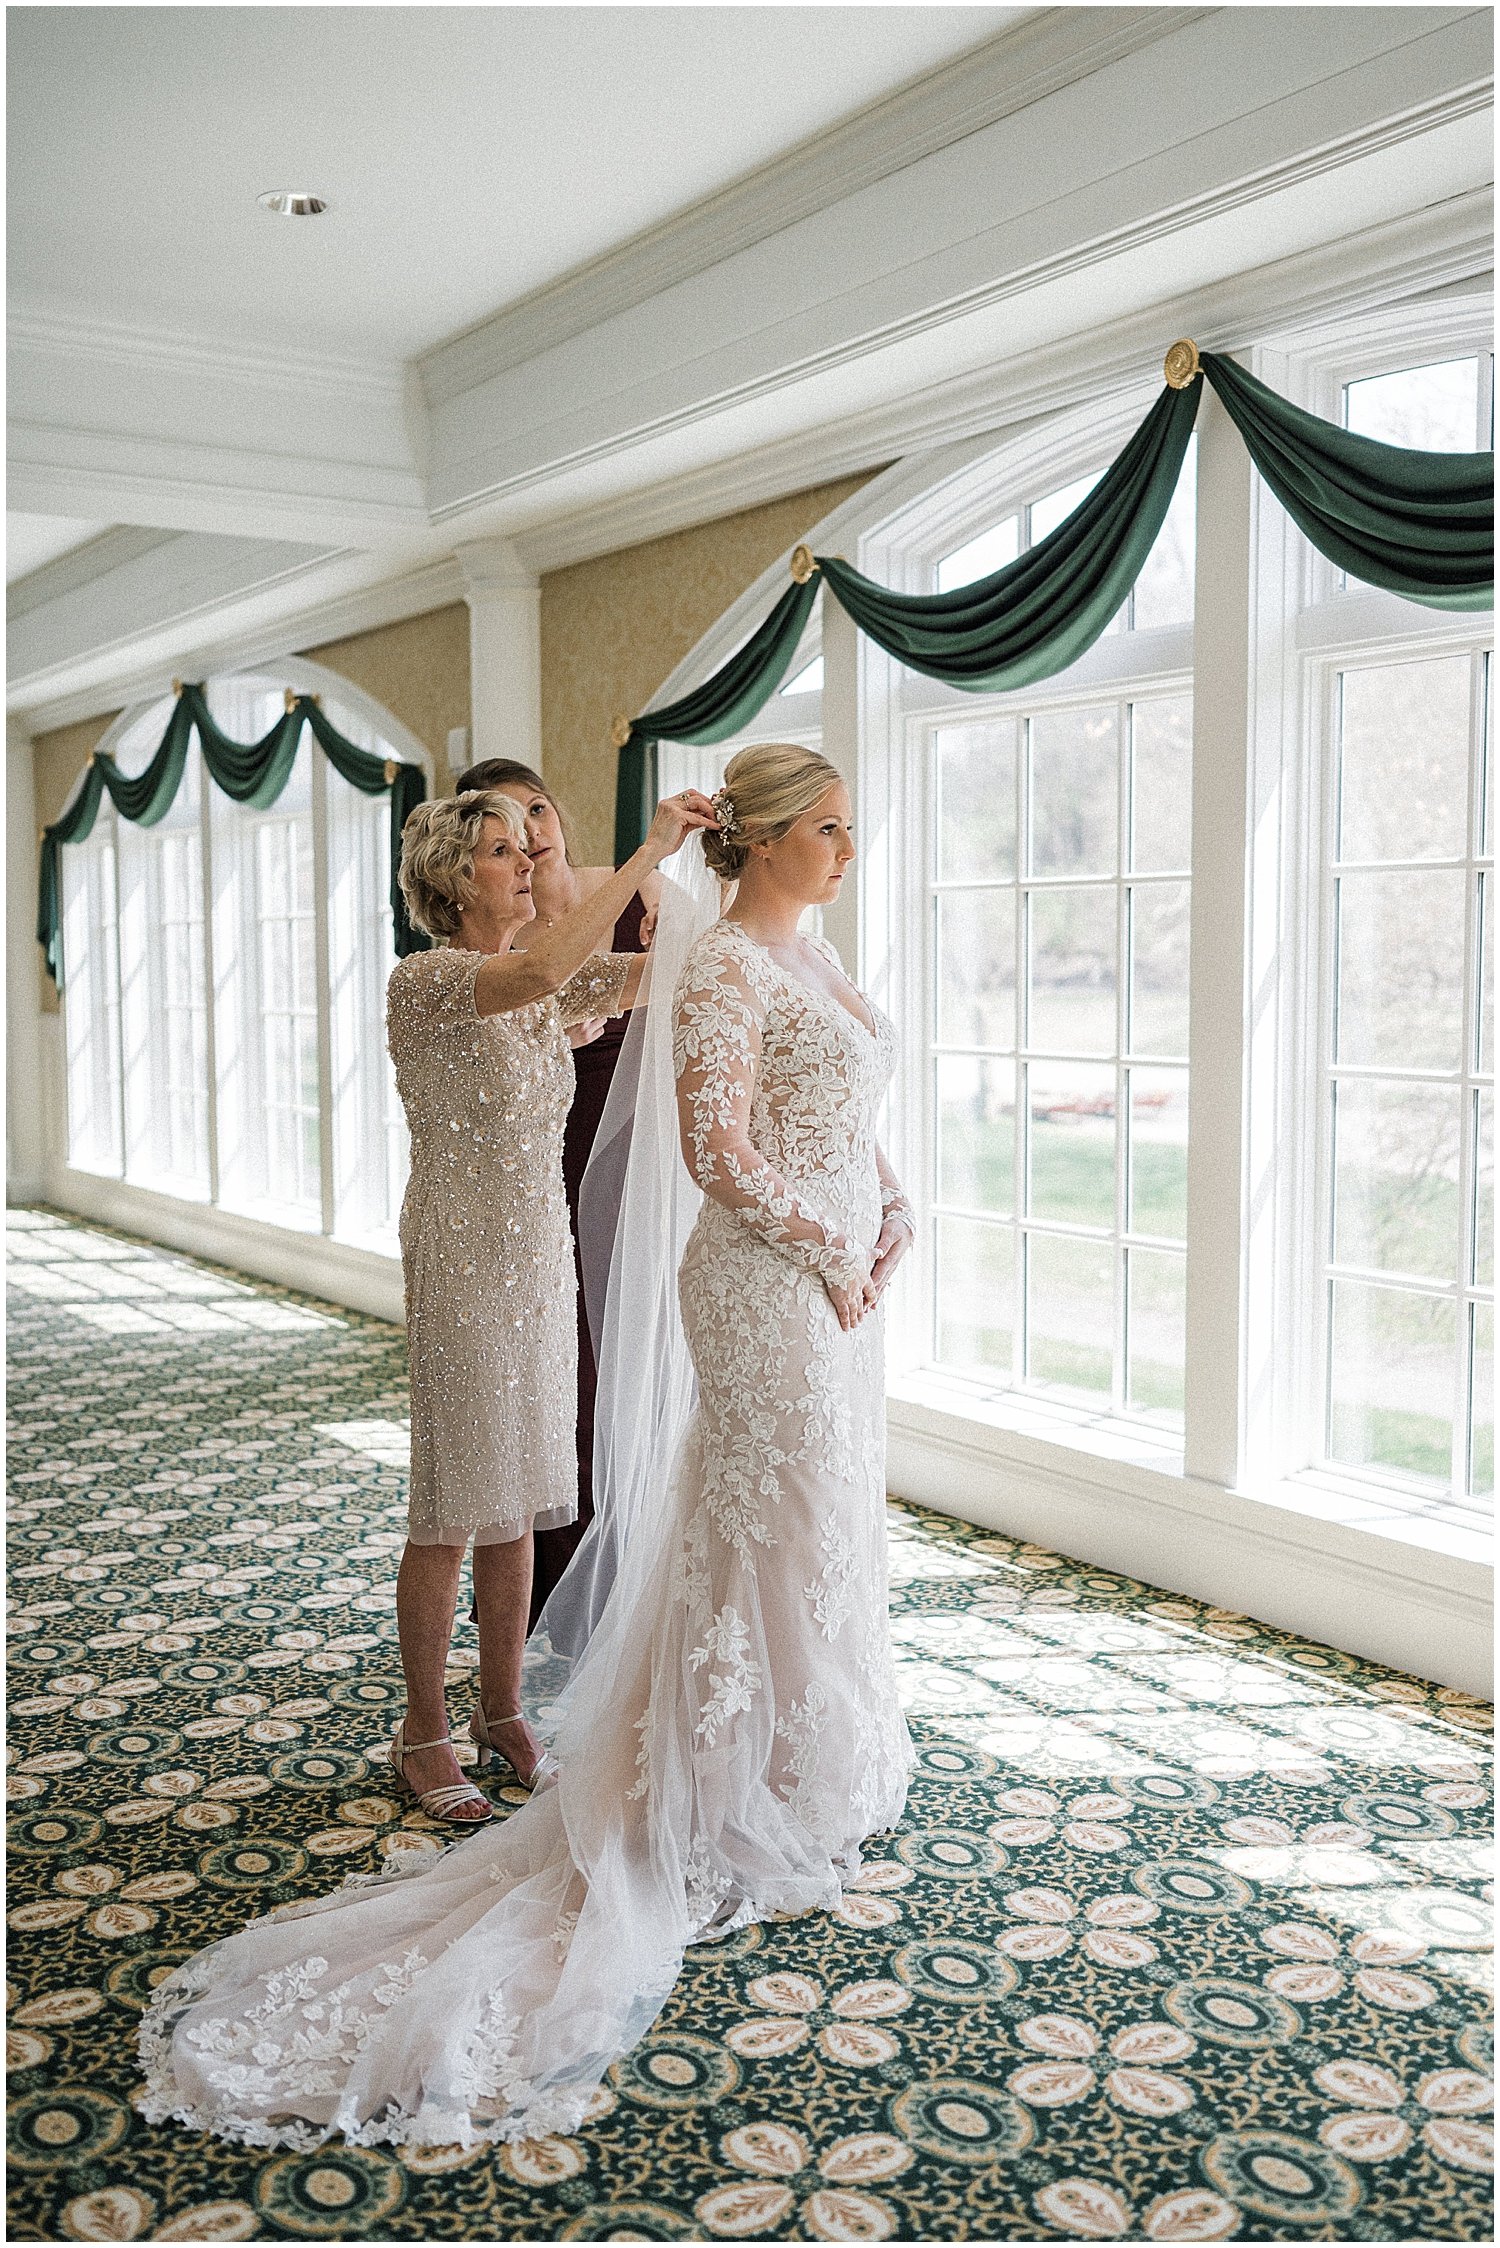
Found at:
[727, 1732]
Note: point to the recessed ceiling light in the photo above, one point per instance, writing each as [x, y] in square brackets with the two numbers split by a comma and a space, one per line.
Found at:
[288, 203]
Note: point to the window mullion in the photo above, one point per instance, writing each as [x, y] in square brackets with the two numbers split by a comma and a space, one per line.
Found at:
[119, 1007]
[210, 1011]
[319, 778]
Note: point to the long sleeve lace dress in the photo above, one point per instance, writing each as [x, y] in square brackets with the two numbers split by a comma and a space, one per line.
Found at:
[732, 1734]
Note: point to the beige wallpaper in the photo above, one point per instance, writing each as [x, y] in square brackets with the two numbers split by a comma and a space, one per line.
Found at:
[613, 628]
[418, 669]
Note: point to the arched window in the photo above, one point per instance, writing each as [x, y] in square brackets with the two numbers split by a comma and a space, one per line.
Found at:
[1037, 926]
[225, 971]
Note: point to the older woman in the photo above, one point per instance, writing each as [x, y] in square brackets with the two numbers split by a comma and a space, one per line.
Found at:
[478, 1034]
[558, 886]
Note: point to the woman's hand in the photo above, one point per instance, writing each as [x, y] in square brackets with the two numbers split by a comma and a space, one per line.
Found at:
[895, 1240]
[648, 927]
[584, 1034]
[850, 1304]
[675, 819]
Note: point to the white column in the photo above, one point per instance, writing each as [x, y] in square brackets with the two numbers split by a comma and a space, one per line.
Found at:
[25, 1118]
[841, 921]
[505, 656]
[1217, 1181]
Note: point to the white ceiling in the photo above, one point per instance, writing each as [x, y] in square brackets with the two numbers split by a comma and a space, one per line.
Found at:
[469, 155]
[31, 540]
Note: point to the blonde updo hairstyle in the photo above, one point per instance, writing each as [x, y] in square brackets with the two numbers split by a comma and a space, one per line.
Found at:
[767, 789]
[438, 844]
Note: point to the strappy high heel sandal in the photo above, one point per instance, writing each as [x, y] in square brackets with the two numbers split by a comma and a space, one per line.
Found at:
[439, 1803]
[481, 1732]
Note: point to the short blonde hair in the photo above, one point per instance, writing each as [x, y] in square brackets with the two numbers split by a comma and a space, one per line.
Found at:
[767, 788]
[438, 844]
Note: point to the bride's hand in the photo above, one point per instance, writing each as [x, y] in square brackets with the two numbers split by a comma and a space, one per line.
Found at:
[676, 818]
[895, 1240]
[851, 1304]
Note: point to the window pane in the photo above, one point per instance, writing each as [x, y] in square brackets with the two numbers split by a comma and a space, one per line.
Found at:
[981, 557]
[1072, 1142]
[1404, 761]
[1482, 1394]
[1158, 1152]
[1074, 792]
[1164, 589]
[1157, 1320]
[807, 681]
[1161, 785]
[976, 793]
[975, 1296]
[976, 1112]
[1435, 408]
[976, 967]
[1046, 514]
[1484, 1189]
[1395, 1178]
[1400, 975]
[1072, 954]
[1070, 1313]
[1159, 967]
[1391, 1381]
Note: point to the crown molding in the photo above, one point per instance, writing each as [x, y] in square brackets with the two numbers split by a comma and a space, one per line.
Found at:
[432, 585]
[547, 420]
[1051, 49]
[125, 345]
[80, 566]
[183, 486]
[1445, 248]
[1431, 252]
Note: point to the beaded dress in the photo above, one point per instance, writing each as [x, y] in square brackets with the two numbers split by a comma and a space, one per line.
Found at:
[732, 1733]
[486, 1246]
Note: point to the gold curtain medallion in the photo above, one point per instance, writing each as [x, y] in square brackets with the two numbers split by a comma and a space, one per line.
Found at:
[1182, 364]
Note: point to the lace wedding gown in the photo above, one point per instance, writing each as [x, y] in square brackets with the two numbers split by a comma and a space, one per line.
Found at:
[732, 1733]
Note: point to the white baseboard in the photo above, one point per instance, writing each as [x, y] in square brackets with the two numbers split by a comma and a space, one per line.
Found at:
[360, 1279]
[1385, 1598]
[1390, 1601]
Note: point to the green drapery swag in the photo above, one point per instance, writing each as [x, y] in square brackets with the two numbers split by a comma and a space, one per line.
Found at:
[253, 773]
[727, 702]
[1419, 524]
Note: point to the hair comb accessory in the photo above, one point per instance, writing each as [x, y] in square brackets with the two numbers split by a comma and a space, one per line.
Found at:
[724, 813]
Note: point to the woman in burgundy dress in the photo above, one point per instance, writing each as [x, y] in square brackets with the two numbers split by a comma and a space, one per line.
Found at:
[557, 885]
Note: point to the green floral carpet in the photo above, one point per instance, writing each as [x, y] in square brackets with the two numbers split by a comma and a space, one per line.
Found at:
[1183, 1936]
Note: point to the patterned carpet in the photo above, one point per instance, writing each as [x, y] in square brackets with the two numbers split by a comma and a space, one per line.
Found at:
[1184, 1935]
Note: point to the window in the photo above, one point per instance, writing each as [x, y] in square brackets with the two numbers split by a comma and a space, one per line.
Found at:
[164, 1011]
[1161, 595]
[793, 715]
[1056, 1084]
[1408, 1107]
[226, 1028]
[91, 954]
[1399, 1294]
[1028, 927]
[1060, 944]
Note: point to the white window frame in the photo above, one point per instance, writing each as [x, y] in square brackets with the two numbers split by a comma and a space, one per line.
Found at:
[341, 1235]
[1310, 627]
[894, 705]
[1253, 1189]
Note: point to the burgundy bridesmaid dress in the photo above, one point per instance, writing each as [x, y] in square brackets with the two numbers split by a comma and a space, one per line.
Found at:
[594, 1067]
